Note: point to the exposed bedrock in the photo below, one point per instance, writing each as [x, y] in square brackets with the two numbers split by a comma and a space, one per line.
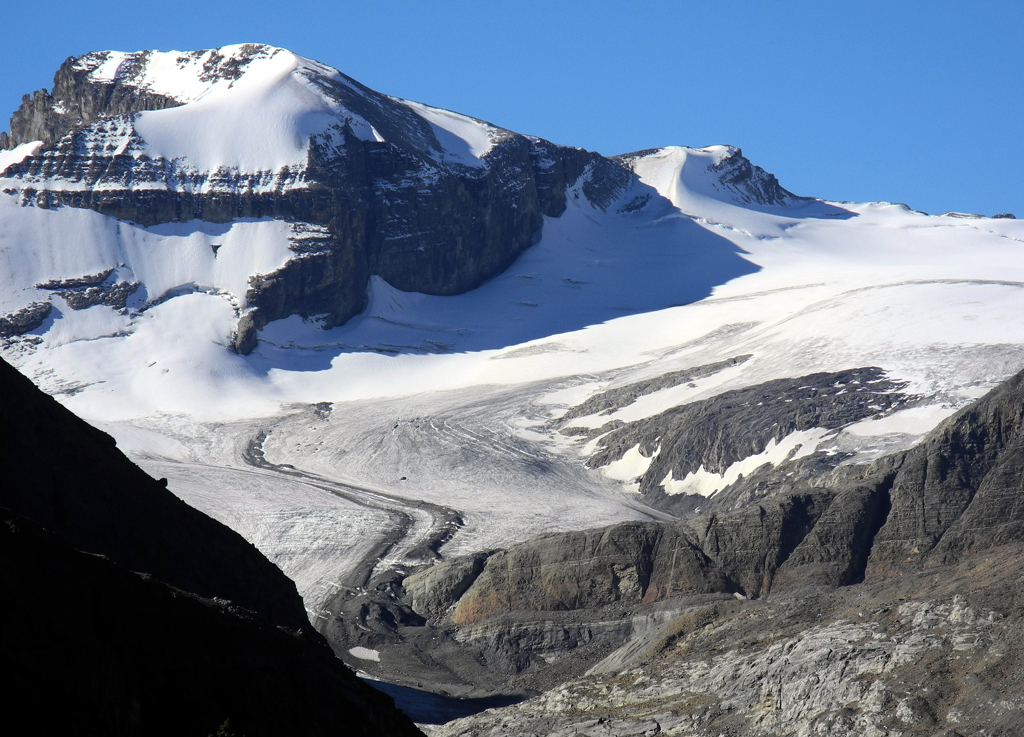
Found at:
[633, 562]
[27, 318]
[817, 537]
[434, 590]
[752, 182]
[810, 528]
[75, 101]
[78, 98]
[962, 490]
[715, 433]
[835, 549]
[926, 656]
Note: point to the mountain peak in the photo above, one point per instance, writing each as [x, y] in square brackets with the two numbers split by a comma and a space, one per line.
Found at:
[689, 177]
[101, 84]
[183, 76]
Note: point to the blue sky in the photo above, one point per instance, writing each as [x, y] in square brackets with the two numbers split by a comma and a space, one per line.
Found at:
[915, 102]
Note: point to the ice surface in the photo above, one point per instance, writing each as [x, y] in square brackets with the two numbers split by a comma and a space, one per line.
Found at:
[312, 535]
[364, 653]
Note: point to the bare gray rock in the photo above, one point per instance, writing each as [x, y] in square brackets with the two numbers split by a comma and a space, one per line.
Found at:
[27, 318]
[717, 432]
[959, 492]
[857, 664]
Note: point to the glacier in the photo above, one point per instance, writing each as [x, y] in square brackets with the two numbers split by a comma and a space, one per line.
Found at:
[457, 400]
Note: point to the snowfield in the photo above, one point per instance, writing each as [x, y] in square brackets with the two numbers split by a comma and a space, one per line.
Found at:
[456, 401]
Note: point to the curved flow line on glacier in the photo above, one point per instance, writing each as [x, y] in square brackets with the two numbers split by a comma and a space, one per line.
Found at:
[402, 512]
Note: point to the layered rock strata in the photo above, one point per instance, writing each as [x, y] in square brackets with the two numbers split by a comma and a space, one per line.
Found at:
[708, 436]
[926, 656]
[394, 205]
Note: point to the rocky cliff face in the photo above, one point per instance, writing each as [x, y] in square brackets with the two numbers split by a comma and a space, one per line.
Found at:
[688, 450]
[931, 656]
[396, 203]
[959, 492]
[76, 101]
[629, 563]
[428, 200]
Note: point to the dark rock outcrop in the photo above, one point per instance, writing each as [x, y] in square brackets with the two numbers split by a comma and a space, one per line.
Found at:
[435, 589]
[630, 563]
[751, 544]
[78, 282]
[90, 648]
[112, 295]
[750, 182]
[960, 491]
[952, 499]
[834, 552]
[27, 318]
[78, 99]
[924, 656]
[715, 433]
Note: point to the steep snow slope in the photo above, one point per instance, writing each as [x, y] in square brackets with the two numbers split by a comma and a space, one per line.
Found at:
[456, 401]
[271, 110]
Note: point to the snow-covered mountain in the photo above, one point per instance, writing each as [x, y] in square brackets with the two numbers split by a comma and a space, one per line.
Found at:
[366, 332]
[254, 140]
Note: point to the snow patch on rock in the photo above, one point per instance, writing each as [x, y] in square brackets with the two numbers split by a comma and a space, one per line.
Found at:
[795, 445]
[631, 466]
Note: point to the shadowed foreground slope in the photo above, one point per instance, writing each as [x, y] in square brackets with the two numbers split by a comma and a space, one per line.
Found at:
[71, 479]
[93, 649]
[162, 621]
